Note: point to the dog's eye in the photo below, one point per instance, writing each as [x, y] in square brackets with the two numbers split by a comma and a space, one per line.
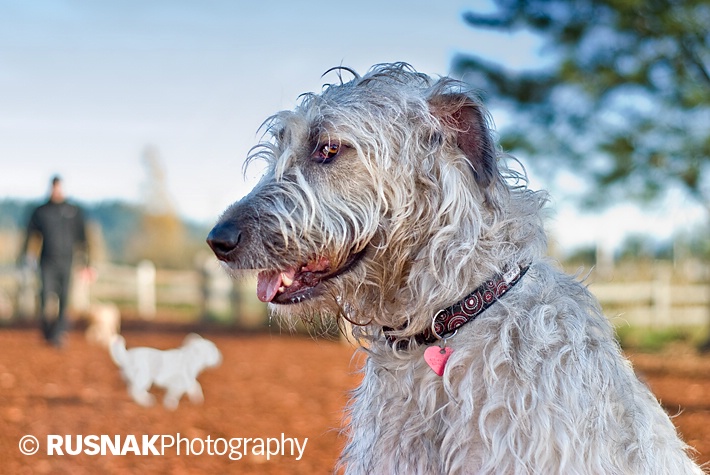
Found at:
[325, 153]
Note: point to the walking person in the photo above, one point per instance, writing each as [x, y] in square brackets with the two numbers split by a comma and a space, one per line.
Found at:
[61, 227]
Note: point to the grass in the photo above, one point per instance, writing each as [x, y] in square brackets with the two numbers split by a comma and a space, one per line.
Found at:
[654, 340]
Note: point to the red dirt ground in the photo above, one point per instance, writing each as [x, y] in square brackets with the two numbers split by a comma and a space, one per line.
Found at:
[267, 385]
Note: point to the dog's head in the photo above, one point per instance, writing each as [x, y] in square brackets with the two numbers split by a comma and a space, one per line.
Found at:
[380, 192]
[203, 353]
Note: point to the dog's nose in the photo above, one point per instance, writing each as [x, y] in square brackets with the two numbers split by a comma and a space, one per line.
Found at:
[224, 239]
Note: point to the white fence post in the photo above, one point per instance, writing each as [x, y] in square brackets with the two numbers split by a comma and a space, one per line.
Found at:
[661, 297]
[216, 290]
[145, 280]
[28, 286]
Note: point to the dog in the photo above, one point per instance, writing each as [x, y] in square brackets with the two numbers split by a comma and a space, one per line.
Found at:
[104, 323]
[387, 204]
[175, 370]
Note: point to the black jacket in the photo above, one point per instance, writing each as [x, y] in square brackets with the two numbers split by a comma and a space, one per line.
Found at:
[62, 228]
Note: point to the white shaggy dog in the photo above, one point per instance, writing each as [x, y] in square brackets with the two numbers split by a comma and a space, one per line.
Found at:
[175, 370]
[386, 203]
[104, 323]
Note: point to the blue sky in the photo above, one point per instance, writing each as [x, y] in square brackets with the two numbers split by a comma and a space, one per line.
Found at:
[86, 86]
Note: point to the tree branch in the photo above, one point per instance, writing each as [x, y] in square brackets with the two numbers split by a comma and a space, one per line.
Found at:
[488, 21]
[689, 49]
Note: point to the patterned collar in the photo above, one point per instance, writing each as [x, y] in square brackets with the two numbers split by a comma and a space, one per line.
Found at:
[449, 320]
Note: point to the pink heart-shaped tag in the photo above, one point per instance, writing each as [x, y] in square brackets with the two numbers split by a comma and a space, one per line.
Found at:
[436, 358]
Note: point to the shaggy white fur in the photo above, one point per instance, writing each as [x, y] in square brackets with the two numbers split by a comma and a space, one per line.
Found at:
[385, 202]
[175, 370]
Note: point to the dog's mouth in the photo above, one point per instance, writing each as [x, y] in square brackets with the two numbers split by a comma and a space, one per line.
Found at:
[302, 282]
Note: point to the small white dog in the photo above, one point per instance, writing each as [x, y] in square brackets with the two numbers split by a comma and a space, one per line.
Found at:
[104, 323]
[175, 370]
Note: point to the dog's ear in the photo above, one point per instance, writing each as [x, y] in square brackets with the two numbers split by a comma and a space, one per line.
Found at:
[464, 117]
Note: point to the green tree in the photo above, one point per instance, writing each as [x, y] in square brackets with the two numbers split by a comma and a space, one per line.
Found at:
[624, 98]
[161, 236]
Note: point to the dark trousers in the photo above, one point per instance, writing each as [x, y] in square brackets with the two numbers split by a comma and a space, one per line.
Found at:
[55, 280]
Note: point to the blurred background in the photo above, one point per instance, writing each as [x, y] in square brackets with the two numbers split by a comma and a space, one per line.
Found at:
[148, 110]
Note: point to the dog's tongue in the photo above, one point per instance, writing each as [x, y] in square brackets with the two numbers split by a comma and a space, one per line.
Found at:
[267, 285]
[270, 281]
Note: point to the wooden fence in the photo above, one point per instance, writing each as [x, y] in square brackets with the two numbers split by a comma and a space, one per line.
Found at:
[660, 301]
[657, 304]
[144, 291]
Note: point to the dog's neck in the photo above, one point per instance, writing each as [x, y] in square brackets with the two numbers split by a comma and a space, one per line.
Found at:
[447, 321]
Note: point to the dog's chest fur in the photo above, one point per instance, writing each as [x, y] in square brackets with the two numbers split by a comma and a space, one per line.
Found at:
[536, 375]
